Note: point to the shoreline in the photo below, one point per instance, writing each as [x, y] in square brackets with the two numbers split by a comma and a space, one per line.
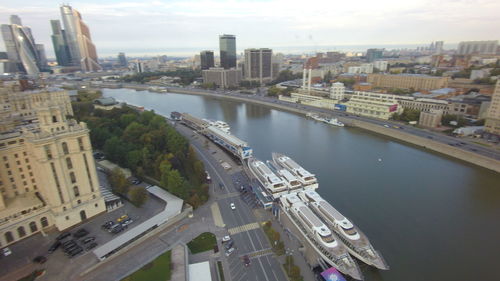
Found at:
[434, 146]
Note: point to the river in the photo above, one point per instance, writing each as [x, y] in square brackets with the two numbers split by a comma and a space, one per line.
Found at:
[431, 217]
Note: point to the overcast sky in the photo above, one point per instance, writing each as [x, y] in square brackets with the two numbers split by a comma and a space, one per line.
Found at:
[174, 27]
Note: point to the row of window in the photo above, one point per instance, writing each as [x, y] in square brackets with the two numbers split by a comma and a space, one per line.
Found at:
[65, 148]
[21, 232]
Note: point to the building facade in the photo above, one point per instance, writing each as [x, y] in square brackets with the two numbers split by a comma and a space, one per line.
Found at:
[59, 42]
[407, 81]
[492, 124]
[81, 49]
[122, 60]
[258, 65]
[48, 176]
[373, 105]
[374, 54]
[431, 119]
[207, 60]
[381, 65]
[477, 47]
[227, 47]
[223, 78]
[337, 91]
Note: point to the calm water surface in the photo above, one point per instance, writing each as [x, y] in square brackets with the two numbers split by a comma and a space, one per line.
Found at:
[432, 217]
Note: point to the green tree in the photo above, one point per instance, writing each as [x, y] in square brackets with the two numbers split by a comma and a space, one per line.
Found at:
[138, 196]
[119, 183]
[328, 77]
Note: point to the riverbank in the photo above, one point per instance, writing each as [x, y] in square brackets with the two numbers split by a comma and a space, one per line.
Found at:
[430, 144]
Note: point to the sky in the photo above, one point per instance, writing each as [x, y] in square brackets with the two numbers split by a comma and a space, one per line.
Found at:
[187, 26]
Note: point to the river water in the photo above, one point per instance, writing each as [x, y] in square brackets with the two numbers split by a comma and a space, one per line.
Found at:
[431, 217]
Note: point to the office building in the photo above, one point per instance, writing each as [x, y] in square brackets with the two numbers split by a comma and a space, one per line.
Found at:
[20, 46]
[430, 119]
[438, 47]
[381, 65]
[492, 124]
[139, 66]
[337, 91]
[407, 81]
[477, 47]
[227, 47]
[258, 65]
[223, 78]
[42, 58]
[48, 176]
[122, 60]
[60, 44]
[424, 104]
[374, 105]
[365, 68]
[81, 49]
[374, 54]
[206, 60]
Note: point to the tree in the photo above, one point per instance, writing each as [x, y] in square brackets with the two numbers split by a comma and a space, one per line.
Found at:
[138, 196]
[119, 183]
[273, 91]
[328, 77]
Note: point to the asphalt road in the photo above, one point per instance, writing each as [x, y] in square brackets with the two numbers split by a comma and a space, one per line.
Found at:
[264, 266]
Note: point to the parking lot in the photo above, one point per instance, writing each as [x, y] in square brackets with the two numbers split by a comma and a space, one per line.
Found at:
[24, 251]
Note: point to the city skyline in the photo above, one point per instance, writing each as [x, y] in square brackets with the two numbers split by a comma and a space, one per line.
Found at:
[274, 24]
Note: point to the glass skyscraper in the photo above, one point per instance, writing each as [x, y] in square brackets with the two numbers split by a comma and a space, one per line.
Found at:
[207, 59]
[227, 46]
[21, 48]
[60, 44]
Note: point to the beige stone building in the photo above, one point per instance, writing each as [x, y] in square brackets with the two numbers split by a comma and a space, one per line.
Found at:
[407, 81]
[492, 124]
[374, 105]
[48, 176]
[223, 78]
[431, 119]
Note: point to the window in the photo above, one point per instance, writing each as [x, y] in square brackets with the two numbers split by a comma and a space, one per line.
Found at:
[5, 158]
[72, 177]
[9, 237]
[21, 232]
[26, 160]
[67, 218]
[24, 153]
[7, 165]
[54, 119]
[68, 163]
[96, 205]
[33, 227]
[76, 191]
[48, 153]
[80, 144]
[65, 148]
[79, 201]
[15, 155]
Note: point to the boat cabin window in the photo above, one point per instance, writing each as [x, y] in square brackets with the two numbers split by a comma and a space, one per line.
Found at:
[327, 239]
[350, 231]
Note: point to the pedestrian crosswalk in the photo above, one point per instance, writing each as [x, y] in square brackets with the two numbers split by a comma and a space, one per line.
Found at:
[243, 228]
[260, 253]
[229, 195]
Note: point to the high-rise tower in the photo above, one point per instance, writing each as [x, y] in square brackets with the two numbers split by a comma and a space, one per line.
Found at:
[20, 46]
[227, 46]
[61, 48]
[206, 59]
[81, 49]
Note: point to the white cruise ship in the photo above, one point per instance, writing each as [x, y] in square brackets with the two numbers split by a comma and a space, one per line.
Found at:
[273, 184]
[356, 242]
[223, 126]
[307, 179]
[334, 122]
[292, 181]
[320, 236]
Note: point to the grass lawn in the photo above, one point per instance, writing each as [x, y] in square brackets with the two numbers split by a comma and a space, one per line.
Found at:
[204, 242]
[157, 270]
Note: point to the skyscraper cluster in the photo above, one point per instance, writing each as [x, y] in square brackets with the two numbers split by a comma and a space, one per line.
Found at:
[73, 45]
[23, 54]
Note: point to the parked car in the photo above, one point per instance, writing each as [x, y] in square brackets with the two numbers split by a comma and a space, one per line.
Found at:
[54, 246]
[126, 222]
[136, 182]
[88, 240]
[6, 251]
[118, 228]
[229, 245]
[40, 259]
[108, 224]
[63, 235]
[229, 252]
[246, 260]
[75, 252]
[233, 207]
[70, 248]
[69, 242]
[80, 233]
[226, 238]
[122, 218]
[91, 246]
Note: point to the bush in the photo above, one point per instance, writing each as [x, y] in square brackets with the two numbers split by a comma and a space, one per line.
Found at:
[138, 196]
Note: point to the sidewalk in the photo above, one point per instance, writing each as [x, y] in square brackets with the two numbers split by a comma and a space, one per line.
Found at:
[291, 245]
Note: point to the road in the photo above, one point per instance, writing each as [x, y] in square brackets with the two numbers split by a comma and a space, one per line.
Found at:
[249, 238]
